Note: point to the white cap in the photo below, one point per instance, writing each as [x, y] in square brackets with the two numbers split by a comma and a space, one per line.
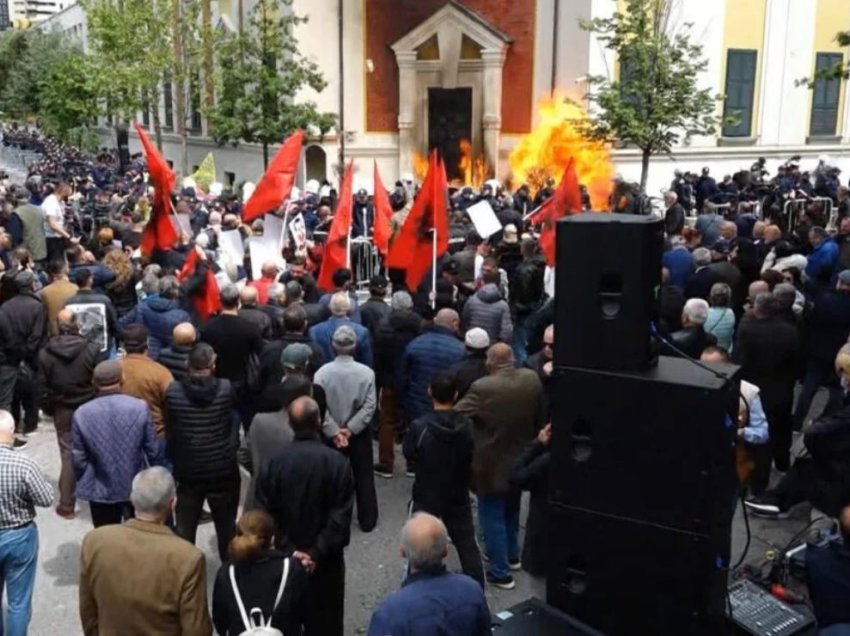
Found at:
[325, 191]
[312, 186]
[247, 190]
[477, 338]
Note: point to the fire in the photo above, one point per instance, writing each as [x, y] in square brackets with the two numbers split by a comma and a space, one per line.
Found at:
[545, 151]
[475, 170]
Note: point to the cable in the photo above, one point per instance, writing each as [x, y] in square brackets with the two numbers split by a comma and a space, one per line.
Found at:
[749, 534]
[657, 335]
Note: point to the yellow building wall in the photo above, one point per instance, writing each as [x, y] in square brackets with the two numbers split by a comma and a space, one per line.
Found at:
[743, 28]
[831, 16]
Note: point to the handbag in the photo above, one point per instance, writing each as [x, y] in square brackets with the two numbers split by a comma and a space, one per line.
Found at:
[255, 623]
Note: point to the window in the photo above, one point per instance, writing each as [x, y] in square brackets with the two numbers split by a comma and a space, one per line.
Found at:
[825, 96]
[628, 70]
[195, 99]
[740, 86]
[168, 122]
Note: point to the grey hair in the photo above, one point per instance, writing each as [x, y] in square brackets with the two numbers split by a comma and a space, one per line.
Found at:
[150, 284]
[764, 303]
[340, 304]
[785, 294]
[672, 196]
[152, 270]
[696, 310]
[7, 423]
[720, 295]
[152, 490]
[702, 256]
[276, 290]
[446, 318]
[229, 296]
[429, 556]
[169, 287]
[401, 300]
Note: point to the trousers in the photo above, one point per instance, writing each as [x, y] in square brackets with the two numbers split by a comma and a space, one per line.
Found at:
[498, 516]
[326, 602]
[359, 453]
[223, 497]
[18, 556]
[458, 522]
[67, 482]
[388, 417]
[110, 514]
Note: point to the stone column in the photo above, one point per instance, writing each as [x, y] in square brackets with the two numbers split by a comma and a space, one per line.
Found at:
[491, 118]
[406, 110]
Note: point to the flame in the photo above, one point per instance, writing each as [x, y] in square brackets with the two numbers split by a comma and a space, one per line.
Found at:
[475, 170]
[545, 151]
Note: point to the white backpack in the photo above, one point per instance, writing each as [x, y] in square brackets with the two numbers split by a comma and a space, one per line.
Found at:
[255, 625]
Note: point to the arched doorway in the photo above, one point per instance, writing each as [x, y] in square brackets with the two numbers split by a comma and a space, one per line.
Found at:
[316, 163]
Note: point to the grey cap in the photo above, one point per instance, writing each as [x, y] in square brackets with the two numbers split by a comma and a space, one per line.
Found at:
[344, 336]
[295, 356]
[401, 300]
[23, 279]
[844, 277]
[107, 373]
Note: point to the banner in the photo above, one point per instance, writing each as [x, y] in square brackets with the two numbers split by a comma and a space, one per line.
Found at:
[230, 242]
[299, 232]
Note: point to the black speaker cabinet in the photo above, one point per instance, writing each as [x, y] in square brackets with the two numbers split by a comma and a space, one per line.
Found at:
[608, 272]
[656, 446]
[535, 618]
[628, 578]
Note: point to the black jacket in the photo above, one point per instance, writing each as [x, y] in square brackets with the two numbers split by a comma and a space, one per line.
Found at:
[202, 437]
[700, 282]
[308, 284]
[260, 318]
[271, 371]
[688, 340]
[275, 314]
[828, 442]
[468, 370]
[828, 325]
[27, 322]
[526, 286]
[89, 297]
[280, 395]
[768, 351]
[391, 338]
[176, 359]
[440, 444]
[372, 312]
[66, 365]
[308, 490]
[674, 219]
[258, 582]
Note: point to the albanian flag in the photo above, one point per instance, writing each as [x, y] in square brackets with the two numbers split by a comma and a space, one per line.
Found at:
[159, 233]
[383, 214]
[276, 184]
[564, 201]
[205, 298]
[336, 247]
[427, 224]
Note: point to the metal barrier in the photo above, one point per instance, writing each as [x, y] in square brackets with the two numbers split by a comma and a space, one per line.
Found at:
[794, 207]
[365, 260]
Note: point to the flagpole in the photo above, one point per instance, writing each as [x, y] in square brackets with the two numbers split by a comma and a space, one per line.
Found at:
[348, 248]
[533, 212]
[433, 268]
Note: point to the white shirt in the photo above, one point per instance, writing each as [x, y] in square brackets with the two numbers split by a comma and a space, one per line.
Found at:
[52, 210]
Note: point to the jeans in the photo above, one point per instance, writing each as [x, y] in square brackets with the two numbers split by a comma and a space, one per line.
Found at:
[498, 516]
[223, 497]
[519, 344]
[18, 555]
[110, 514]
[818, 374]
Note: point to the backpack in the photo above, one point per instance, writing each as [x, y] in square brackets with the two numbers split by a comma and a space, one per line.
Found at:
[255, 625]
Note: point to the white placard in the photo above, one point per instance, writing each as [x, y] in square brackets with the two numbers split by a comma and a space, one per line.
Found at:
[484, 219]
[263, 252]
[299, 232]
[183, 223]
[230, 242]
[272, 229]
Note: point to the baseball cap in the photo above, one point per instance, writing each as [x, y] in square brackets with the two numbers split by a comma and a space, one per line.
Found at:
[844, 277]
[477, 338]
[295, 356]
[378, 282]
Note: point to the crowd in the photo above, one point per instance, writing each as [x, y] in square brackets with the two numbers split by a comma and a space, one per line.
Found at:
[159, 407]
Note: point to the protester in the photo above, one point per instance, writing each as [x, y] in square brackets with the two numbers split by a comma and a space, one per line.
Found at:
[57, 293]
[160, 315]
[140, 574]
[828, 578]
[322, 334]
[294, 332]
[294, 366]
[96, 313]
[249, 309]
[474, 364]
[143, 378]
[692, 338]
[176, 357]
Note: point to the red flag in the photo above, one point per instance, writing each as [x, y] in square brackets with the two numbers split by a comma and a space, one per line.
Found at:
[413, 248]
[276, 184]
[159, 232]
[206, 298]
[336, 247]
[564, 201]
[383, 214]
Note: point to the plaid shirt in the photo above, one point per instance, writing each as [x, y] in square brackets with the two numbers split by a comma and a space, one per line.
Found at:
[22, 487]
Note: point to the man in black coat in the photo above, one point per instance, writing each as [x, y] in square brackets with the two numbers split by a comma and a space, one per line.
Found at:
[294, 331]
[692, 338]
[700, 283]
[526, 294]
[768, 351]
[674, 217]
[202, 443]
[308, 490]
[274, 308]
[376, 309]
[474, 365]
[298, 272]
[314, 311]
[176, 357]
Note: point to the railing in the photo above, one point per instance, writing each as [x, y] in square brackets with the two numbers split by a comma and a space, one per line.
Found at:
[793, 208]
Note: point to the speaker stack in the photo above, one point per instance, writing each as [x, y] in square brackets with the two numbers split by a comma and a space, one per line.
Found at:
[643, 478]
[123, 142]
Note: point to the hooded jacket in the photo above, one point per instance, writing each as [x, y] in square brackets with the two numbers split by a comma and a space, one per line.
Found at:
[392, 336]
[489, 311]
[202, 436]
[27, 321]
[160, 315]
[440, 444]
[66, 365]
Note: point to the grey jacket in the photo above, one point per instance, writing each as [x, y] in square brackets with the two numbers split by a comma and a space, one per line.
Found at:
[32, 220]
[268, 435]
[350, 392]
[489, 311]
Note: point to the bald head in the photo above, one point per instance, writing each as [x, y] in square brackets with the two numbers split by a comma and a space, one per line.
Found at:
[269, 269]
[248, 297]
[7, 427]
[447, 318]
[340, 304]
[757, 287]
[424, 543]
[184, 334]
[772, 233]
[304, 416]
[758, 230]
[499, 356]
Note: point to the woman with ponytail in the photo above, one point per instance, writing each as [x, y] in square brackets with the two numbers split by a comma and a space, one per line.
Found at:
[253, 574]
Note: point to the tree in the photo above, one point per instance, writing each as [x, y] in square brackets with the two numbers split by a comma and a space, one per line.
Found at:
[656, 100]
[68, 101]
[259, 71]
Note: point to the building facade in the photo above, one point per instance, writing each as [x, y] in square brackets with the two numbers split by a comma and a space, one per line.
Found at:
[467, 76]
[28, 12]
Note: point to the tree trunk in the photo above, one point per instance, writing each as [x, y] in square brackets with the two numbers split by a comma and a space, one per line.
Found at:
[179, 84]
[157, 127]
[644, 168]
[265, 155]
[207, 43]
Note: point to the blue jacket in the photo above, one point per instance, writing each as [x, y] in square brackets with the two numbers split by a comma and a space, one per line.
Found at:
[828, 325]
[354, 314]
[680, 264]
[828, 577]
[433, 603]
[322, 334]
[112, 439]
[425, 356]
[160, 316]
[822, 261]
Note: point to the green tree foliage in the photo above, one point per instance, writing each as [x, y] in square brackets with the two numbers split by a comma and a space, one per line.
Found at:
[656, 100]
[260, 70]
[68, 100]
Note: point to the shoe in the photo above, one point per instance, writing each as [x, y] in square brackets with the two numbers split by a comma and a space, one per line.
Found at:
[503, 583]
[380, 471]
[515, 565]
[19, 443]
[765, 510]
[65, 514]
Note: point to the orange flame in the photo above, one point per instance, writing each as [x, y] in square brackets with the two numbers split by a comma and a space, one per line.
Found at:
[475, 170]
[544, 152]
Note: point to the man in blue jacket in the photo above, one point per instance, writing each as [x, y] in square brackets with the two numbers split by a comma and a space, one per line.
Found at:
[823, 259]
[431, 600]
[322, 334]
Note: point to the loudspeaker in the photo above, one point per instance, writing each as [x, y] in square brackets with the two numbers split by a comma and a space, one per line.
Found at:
[629, 578]
[609, 269]
[534, 617]
[123, 139]
[654, 445]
